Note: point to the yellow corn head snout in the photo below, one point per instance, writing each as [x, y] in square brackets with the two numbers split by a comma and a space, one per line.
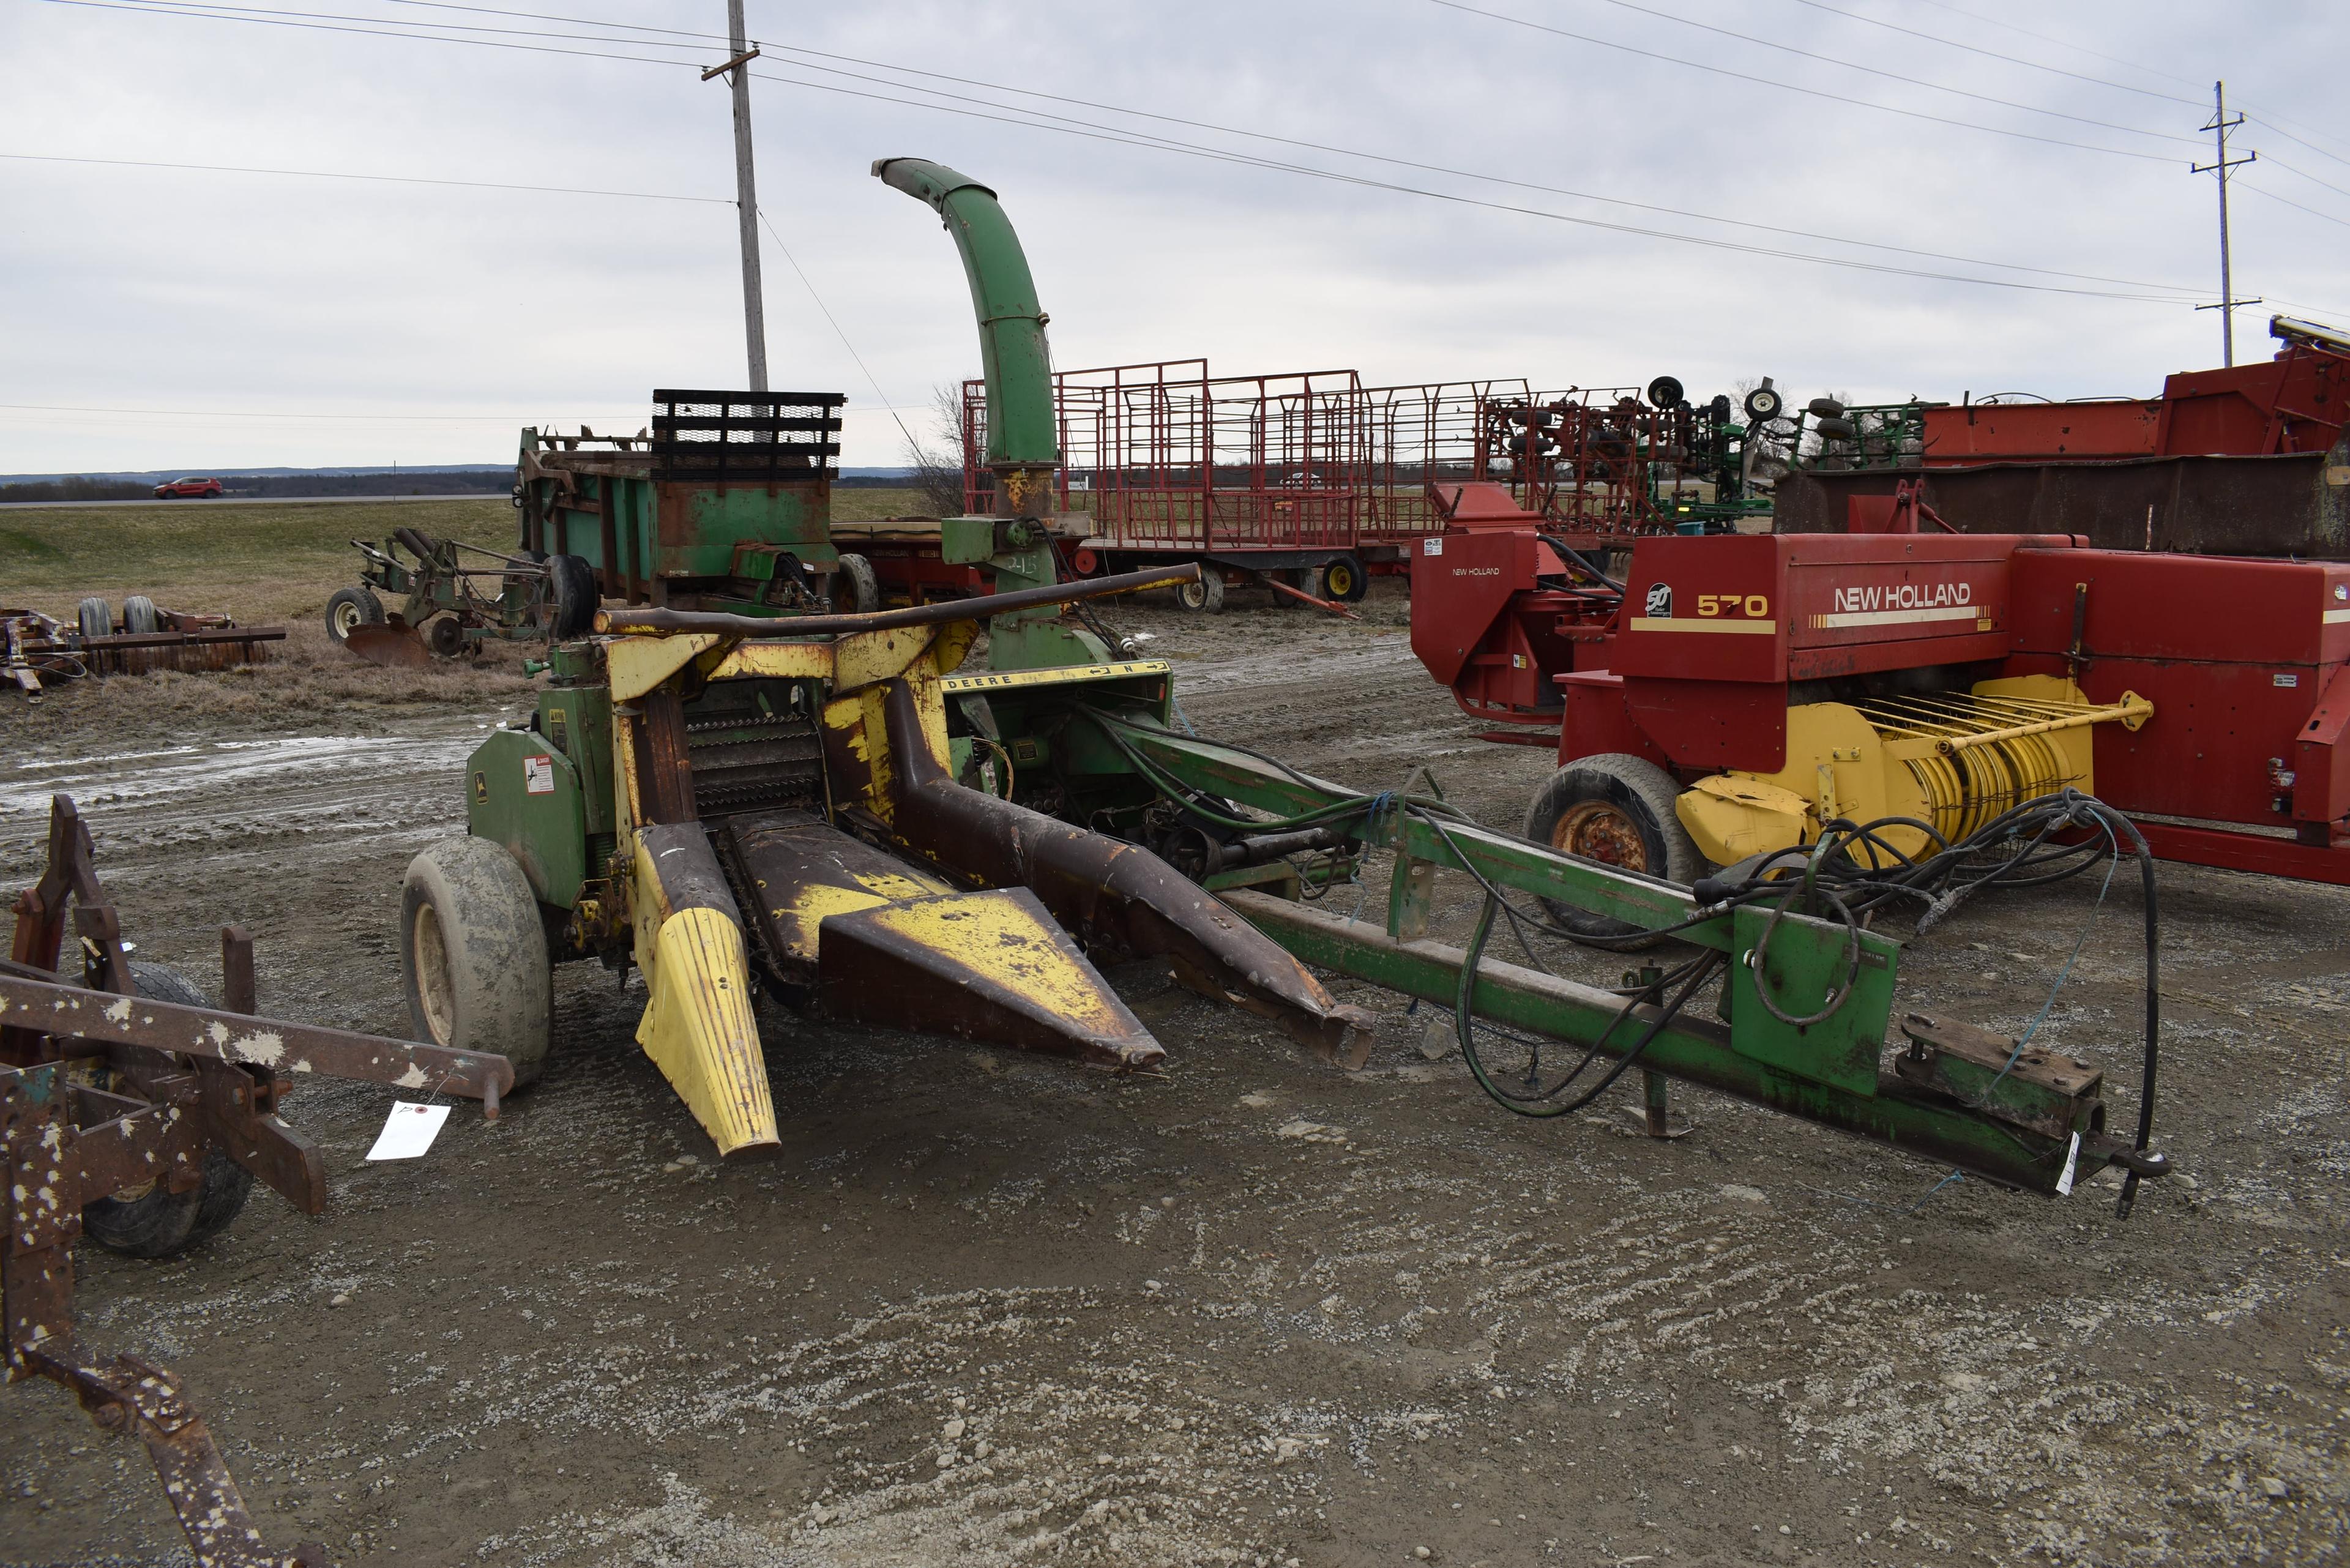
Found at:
[698, 1027]
[1956, 759]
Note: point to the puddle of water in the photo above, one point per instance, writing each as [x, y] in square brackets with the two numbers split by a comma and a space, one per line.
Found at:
[249, 771]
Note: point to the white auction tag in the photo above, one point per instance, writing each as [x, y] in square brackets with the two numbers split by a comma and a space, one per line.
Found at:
[408, 1131]
[2072, 1163]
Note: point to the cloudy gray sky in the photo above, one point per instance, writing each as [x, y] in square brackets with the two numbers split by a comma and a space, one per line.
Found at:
[154, 317]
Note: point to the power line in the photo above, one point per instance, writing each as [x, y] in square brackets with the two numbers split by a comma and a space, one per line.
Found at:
[1032, 119]
[836, 332]
[1250, 161]
[776, 50]
[1995, 55]
[1068, 125]
[1790, 87]
[2257, 190]
[2271, 121]
[1232, 130]
[1893, 75]
[259, 414]
[343, 175]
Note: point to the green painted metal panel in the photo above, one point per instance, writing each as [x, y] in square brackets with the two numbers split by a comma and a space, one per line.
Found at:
[522, 792]
[1803, 966]
[577, 722]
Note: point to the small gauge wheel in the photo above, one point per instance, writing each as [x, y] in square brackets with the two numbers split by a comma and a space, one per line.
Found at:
[1665, 393]
[1763, 404]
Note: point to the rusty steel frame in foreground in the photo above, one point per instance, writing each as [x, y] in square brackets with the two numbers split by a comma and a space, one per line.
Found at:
[183, 1082]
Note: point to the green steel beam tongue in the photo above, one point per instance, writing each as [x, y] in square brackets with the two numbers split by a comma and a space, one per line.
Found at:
[1110, 893]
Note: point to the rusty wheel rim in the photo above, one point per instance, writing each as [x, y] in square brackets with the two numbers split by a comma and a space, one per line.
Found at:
[432, 960]
[1597, 830]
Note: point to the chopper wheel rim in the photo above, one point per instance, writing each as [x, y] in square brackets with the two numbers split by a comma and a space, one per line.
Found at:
[428, 950]
[1603, 831]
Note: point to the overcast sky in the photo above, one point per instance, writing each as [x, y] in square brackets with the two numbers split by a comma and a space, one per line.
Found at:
[257, 319]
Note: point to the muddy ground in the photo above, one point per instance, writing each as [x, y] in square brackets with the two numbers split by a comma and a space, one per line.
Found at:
[995, 1309]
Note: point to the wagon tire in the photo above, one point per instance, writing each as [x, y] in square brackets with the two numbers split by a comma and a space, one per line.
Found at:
[473, 963]
[859, 585]
[1616, 809]
[1344, 581]
[571, 596]
[149, 1221]
[1206, 596]
[351, 609]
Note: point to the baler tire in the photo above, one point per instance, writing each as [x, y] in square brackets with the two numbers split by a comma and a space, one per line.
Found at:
[156, 1223]
[1344, 581]
[861, 584]
[94, 617]
[473, 963]
[1206, 596]
[351, 609]
[1637, 794]
[571, 596]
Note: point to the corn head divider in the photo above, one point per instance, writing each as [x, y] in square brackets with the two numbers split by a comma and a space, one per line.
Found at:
[130, 1110]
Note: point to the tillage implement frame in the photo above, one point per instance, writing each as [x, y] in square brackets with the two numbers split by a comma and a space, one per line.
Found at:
[135, 1113]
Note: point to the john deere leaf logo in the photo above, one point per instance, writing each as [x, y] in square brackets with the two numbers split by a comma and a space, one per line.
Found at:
[1660, 600]
[481, 787]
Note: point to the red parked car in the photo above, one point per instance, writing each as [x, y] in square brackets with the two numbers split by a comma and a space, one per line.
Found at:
[184, 489]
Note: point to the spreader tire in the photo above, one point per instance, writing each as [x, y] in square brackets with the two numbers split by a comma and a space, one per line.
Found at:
[349, 608]
[859, 586]
[1617, 809]
[472, 954]
[571, 596]
[149, 1221]
[1206, 596]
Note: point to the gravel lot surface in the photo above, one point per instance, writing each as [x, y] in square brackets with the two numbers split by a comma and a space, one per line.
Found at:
[990, 1308]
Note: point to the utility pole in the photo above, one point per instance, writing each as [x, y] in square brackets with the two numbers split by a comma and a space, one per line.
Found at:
[2219, 125]
[746, 196]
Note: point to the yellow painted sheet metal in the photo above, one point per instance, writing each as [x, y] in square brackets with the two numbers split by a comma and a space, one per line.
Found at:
[784, 661]
[637, 664]
[1000, 937]
[699, 1029]
[1000, 679]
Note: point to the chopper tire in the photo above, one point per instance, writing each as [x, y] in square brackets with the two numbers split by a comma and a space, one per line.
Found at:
[473, 963]
[858, 584]
[571, 596]
[349, 608]
[152, 1222]
[1616, 809]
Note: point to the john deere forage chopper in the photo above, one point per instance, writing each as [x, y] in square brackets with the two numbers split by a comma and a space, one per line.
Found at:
[779, 798]
[714, 797]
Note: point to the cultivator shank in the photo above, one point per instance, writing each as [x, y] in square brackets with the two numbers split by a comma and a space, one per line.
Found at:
[114, 1099]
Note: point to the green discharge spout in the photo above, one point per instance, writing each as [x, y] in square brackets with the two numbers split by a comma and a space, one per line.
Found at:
[1022, 448]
